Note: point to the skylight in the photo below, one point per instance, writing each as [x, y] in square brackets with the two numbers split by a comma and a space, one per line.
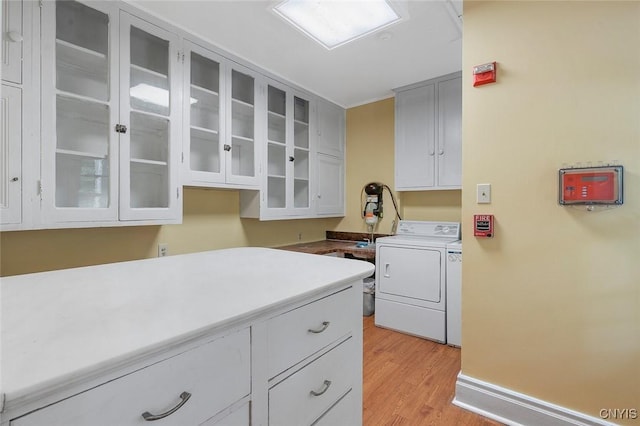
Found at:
[333, 23]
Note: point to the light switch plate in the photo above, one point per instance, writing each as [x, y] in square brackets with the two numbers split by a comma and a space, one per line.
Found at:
[484, 193]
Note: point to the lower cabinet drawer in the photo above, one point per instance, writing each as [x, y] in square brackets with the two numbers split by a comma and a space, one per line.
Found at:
[342, 414]
[215, 375]
[301, 332]
[304, 396]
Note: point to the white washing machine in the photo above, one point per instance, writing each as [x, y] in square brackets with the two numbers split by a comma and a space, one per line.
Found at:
[411, 278]
[454, 294]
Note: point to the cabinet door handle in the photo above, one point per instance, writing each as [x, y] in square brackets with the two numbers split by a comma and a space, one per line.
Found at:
[325, 387]
[184, 396]
[325, 324]
[15, 179]
[291, 158]
[121, 128]
[227, 147]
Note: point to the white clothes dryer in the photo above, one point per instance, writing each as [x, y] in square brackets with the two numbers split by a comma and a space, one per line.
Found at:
[411, 278]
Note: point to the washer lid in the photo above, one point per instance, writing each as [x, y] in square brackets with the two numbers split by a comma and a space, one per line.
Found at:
[429, 230]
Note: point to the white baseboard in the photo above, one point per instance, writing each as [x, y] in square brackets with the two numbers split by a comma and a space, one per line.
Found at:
[516, 409]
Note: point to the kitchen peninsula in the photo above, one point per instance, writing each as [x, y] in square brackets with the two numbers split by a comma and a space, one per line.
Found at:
[215, 337]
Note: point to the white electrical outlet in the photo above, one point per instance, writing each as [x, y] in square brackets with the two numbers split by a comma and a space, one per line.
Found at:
[484, 193]
[163, 250]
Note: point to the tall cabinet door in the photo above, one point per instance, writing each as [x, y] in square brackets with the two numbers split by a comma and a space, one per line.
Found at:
[148, 124]
[450, 132]
[10, 154]
[416, 137]
[204, 109]
[79, 93]
[300, 155]
[242, 117]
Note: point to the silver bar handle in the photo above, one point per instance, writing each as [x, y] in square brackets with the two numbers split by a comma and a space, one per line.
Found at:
[184, 396]
[325, 324]
[325, 387]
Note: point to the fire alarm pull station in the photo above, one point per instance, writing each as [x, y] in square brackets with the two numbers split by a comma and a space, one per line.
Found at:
[591, 185]
[483, 225]
[484, 74]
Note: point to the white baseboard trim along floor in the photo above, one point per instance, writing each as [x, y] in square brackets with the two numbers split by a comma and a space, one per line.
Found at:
[517, 409]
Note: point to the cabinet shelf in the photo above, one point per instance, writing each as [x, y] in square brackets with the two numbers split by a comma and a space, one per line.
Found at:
[242, 103]
[81, 154]
[148, 71]
[301, 123]
[278, 143]
[276, 114]
[204, 130]
[149, 162]
[64, 47]
[204, 90]
[242, 138]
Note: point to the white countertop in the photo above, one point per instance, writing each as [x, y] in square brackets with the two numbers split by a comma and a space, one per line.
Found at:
[61, 325]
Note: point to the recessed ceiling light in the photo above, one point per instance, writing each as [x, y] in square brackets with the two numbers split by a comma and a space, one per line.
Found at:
[333, 23]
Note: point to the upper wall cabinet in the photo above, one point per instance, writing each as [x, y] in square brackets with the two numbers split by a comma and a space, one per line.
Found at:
[220, 121]
[288, 158]
[110, 116]
[10, 155]
[330, 160]
[428, 135]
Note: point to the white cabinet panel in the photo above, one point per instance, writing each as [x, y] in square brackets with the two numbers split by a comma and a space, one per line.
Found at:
[299, 333]
[215, 375]
[428, 135]
[307, 394]
[330, 181]
[331, 128]
[10, 155]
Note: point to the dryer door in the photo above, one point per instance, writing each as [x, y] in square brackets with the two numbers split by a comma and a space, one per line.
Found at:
[411, 272]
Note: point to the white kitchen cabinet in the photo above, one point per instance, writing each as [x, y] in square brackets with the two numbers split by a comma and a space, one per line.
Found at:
[220, 121]
[428, 135]
[330, 159]
[288, 158]
[330, 129]
[283, 349]
[10, 155]
[198, 383]
[12, 40]
[110, 117]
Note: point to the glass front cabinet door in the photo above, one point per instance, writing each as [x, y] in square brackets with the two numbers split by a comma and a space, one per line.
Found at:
[108, 102]
[288, 153]
[220, 121]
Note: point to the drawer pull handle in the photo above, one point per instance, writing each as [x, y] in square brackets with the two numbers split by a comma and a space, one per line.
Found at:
[325, 324]
[325, 387]
[184, 396]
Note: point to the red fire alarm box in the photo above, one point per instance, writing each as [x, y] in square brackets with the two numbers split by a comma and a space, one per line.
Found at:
[484, 74]
[591, 185]
[483, 225]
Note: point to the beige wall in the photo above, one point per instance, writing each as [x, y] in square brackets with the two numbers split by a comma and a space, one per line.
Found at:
[211, 221]
[370, 158]
[551, 305]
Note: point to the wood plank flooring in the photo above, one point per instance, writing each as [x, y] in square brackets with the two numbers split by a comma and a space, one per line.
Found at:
[411, 381]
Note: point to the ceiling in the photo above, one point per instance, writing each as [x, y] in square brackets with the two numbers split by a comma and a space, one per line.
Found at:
[426, 45]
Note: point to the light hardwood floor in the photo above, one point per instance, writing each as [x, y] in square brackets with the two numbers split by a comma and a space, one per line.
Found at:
[411, 381]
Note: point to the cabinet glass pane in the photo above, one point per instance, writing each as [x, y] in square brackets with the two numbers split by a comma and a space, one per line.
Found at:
[276, 194]
[276, 160]
[82, 50]
[301, 122]
[149, 78]
[205, 151]
[301, 179]
[149, 161]
[205, 93]
[82, 153]
[242, 124]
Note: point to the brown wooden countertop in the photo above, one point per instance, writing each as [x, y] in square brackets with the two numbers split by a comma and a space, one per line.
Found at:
[333, 246]
[339, 242]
